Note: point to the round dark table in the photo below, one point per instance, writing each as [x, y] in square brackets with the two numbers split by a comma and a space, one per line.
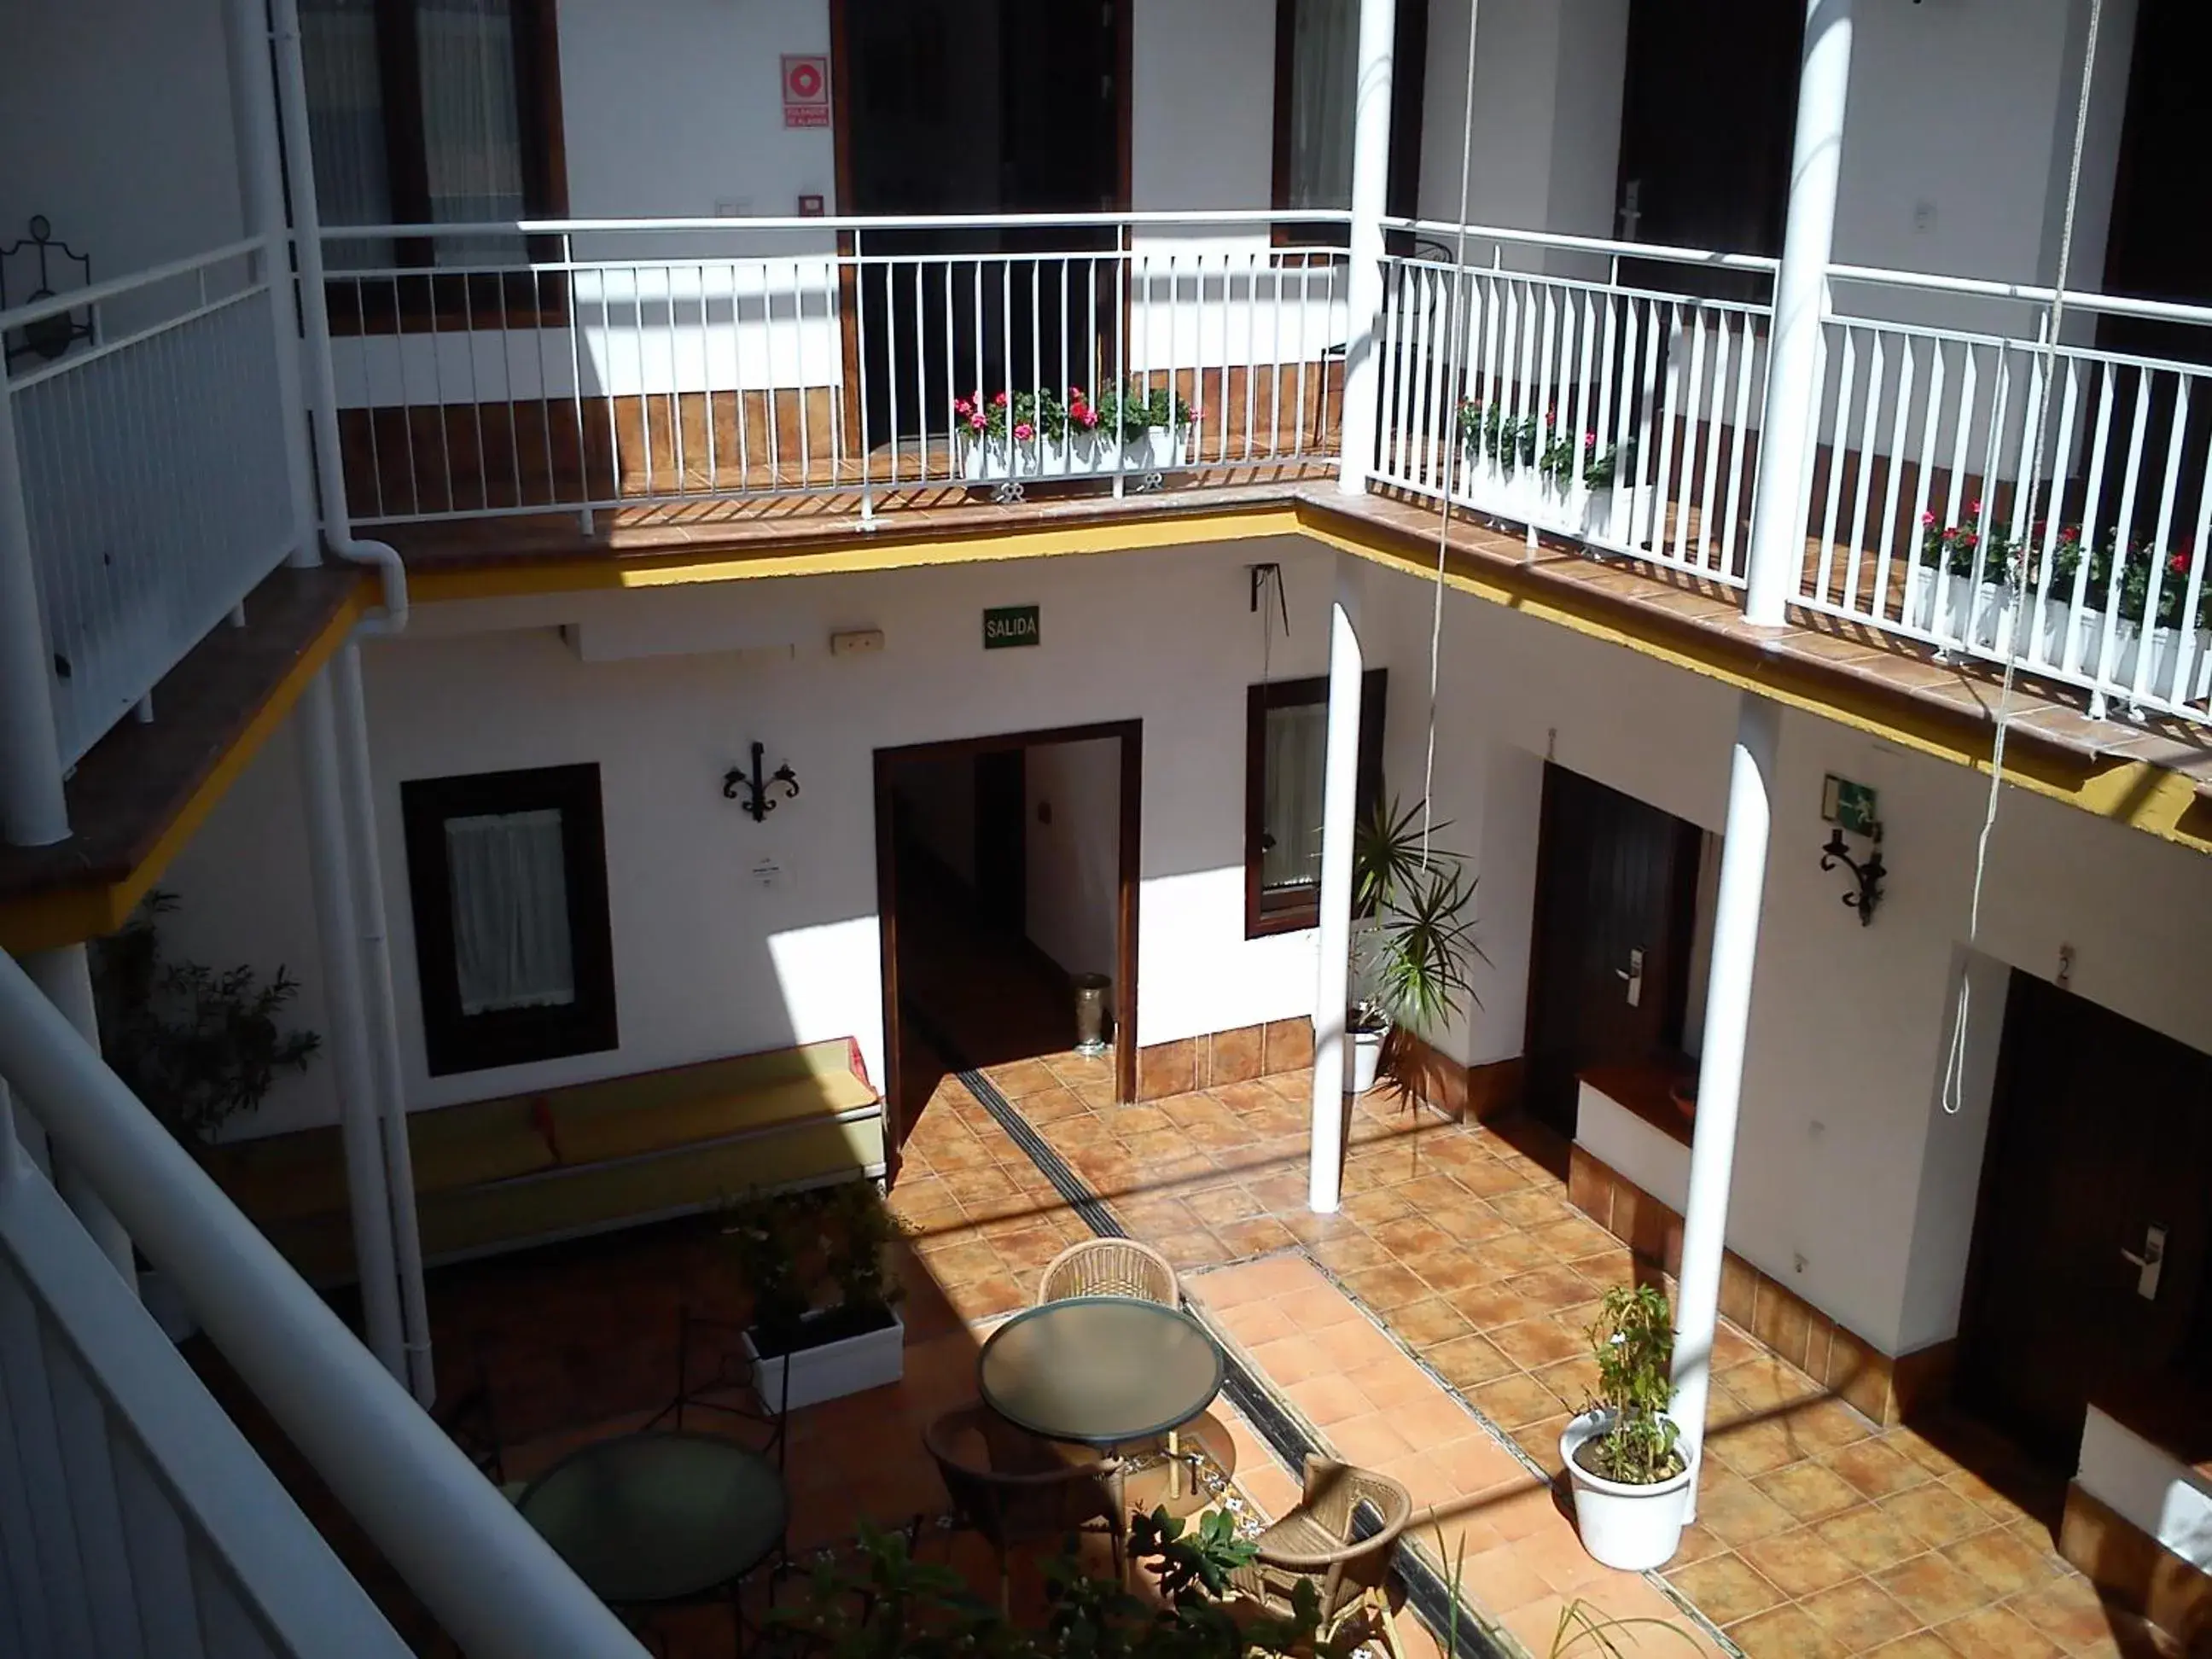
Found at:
[658, 1516]
[1100, 1370]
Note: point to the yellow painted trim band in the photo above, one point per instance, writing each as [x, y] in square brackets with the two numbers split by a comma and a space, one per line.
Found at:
[70, 915]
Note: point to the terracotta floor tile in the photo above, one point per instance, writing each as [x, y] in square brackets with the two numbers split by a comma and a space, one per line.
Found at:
[1536, 1343]
[1800, 1563]
[1352, 1343]
[1531, 1208]
[1870, 1539]
[2006, 1564]
[1784, 1633]
[1290, 1359]
[1726, 1588]
[1192, 1249]
[1511, 1401]
[1575, 1381]
[1436, 1421]
[1859, 1614]
[1733, 1508]
[1258, 1322]
[1809, 1490]
[1540, 1440]
[1997, 1633]
[1492, 1307]
[1348, 1250]
[1477, 1467]
[1384, 1288]
[1369, 1440]
[1936, 1513]
[1329, 1398]
[1933, 1590]
[2068, 1611]
[1391, 1382]
[1523, 1512]
[1317, 1305]
[1559, 1559]
[1469, 1362]
[1426, 1323]
[1501, 1580]
[1553, 1288]
[1409, 1238]
[1215, 1204]
[1253, 1235]
[1875, 1469]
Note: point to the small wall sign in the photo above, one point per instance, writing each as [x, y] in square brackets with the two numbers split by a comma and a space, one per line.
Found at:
[1848, 805]
[1005, 626]
[806, 91]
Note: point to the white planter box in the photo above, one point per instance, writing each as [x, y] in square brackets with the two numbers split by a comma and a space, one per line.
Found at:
[1362, 1060]
[852, 1365]
[1633, 1528]
[1077, 455]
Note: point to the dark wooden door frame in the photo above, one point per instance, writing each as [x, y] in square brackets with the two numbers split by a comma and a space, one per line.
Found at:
[841, 139]
[1129, 863]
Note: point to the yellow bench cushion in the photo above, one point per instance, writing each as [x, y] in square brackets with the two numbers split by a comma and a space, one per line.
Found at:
[626, 1117]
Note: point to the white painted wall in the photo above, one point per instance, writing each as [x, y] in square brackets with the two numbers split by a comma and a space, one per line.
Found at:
[1853, 1185]
[1075, 859]
[709, 963]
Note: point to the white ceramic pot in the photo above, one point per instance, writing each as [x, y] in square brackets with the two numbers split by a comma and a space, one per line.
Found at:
[1597, 514]
[1363, 1059]
[853, 1365]
[1633, 1528]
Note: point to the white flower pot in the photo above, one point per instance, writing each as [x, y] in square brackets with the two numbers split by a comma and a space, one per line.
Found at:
[1362, 1060]
[850, 1365]
[1161, 451]
[1597, 514]
[1634, 1528]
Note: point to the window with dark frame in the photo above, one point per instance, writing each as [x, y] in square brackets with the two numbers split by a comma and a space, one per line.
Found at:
[1286, 741]
[429, 112]
[508, 872]
[1317, 57]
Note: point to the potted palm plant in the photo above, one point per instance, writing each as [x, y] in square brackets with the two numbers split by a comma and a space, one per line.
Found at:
[825, 1318]
[1412, 945]
[1624, 1454]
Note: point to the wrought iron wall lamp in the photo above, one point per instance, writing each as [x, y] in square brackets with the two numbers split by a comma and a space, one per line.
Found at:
[1869, 875]
[751, 791]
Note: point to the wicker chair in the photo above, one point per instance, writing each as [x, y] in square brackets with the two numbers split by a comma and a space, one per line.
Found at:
[1340, 1536]
[1024, 1491]
[1111, 1267]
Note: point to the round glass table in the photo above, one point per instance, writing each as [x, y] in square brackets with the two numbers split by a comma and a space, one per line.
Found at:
[658, 1516]
[1100, 1370]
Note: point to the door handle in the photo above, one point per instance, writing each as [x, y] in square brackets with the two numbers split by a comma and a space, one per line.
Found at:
[1634, 975]
[2150, 1264]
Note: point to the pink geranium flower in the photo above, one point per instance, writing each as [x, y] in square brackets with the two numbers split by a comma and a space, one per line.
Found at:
[999, 401]
[1975, 506]
[1024, 431]
[962, 407]
[1197, 412]
[978, 421]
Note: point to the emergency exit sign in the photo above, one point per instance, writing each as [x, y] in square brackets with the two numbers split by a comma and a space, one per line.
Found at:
[1848, 806]
[1005, 626]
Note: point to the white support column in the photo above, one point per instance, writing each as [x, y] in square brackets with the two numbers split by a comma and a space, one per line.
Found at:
[335, 922]
[382, 1008]
[1720, 1073]
[65, 976]
[1340, 807]
[1789, 425]
[1371, 192]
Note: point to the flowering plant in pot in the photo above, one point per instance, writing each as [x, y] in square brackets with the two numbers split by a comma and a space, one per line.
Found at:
[1151, 422]
[1631, 1477]
[1412, 945]
[824, 1304]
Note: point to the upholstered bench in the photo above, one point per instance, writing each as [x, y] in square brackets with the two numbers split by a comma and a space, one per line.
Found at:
[496, 1175]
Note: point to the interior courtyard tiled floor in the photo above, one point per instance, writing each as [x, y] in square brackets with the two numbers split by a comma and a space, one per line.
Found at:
[1819, 1533]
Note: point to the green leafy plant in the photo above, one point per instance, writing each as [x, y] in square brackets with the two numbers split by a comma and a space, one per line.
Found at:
[198, 1045]
[1131, 411]
[1192, 1559]
[1414, 948]
[1585, 1630]
[820, 1255]
[1633, 1342]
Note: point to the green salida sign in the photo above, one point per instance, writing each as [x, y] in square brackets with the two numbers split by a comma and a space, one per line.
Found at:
[1005, 626]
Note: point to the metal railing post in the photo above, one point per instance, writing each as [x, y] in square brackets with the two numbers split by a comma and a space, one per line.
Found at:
[1370, 191]
[1790, 427]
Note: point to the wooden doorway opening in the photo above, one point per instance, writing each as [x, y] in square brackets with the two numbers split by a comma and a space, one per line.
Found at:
[975, 107]
[992, 813]
[1617, 940]
[2100, 1136]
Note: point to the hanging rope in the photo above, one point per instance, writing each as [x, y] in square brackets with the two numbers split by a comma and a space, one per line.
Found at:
[1452, 439]
[1955, 1061]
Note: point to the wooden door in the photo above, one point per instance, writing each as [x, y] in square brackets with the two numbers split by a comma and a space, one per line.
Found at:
[1616, 895]
[1709, 113]
[2100, 1130]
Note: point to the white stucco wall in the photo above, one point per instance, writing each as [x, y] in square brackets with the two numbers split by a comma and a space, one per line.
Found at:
[1074, 802]
[709, 963]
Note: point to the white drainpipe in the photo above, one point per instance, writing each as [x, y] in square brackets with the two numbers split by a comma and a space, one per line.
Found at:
[1339, 808]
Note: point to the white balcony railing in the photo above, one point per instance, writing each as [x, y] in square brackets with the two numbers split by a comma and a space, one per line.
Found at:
[154, 473]
[1583, 405]
[1921, 518]
[602, 364]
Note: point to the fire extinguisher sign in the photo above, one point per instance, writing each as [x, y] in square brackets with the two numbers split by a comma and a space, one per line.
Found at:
[806, 91]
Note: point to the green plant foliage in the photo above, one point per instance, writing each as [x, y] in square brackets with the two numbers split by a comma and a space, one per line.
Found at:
[1633, 1342]
[886, 1605]
[1584, 1632]
[1416, 946]
[198, 1046]
[822, 1248]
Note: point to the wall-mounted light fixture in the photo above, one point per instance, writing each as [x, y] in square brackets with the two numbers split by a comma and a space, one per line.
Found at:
[1850, 807]
[752, 792]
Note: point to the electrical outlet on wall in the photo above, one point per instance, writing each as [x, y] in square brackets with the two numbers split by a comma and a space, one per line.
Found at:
[734, 207]
[1923, 217]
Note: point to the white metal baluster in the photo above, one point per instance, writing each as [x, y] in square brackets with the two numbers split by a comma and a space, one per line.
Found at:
[1949, 631]
[2042, 618]
[1420, 365]
[2109, 670]
[2147, 627]
[1877, 375]
[1649, 530]
[1893, 493]
[1924, 487]
[1392, 437]
[1609, 408]
[708, 377]
[2083, 606]
[2189, 686]
[1690, 320]
[406, 398]
[1667, 505]
[27, 1392]
[574, 290]
[1748, 345]
[1845, 382]
[81, 1433]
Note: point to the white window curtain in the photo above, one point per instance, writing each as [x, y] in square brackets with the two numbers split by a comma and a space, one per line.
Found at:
[1295, 745]
[471, 127]
[1324, 59]
[345, 125]
[510, 888]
